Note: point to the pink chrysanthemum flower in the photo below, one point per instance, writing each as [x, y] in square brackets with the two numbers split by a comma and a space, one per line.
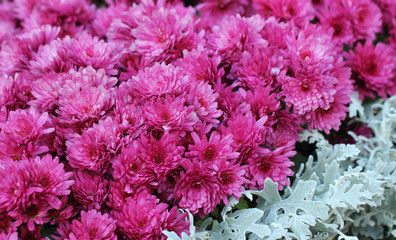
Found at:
[247, 133]
[335, 17]
[9, 236]
[24, 127]
[90, 51]
[119, 191]
[53, 57]
[49, 179]
[203, 98]
[170, 114]
[105, 16]
[263, 103]
[130, 64]
[140, 217]
[163, 34]
[7, 21]
[211, 11]
[81, 105]
[132, 168]
[173, 221]
[161, 156]
[7, 91]
[158, 81]
[93, 149]
[260, 68]
[166, 189]
[300, 11]
[90, 189]
[366, 18]
[235, 34]
[93, 225]
[199, 66]
[217, 148]
[231, 179]
[16, 53]
[198, 189]
[273, 164]
[285, 125]
[274, 31]
[373, 67]
[331, 118]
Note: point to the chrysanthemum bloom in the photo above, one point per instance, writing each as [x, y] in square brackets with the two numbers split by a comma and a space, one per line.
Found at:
[24, 126]
[331, 118]
[93, 225]
[129, 116]
[235, 34]
[263, 103]
[105, 16]
[93, 149]
[163, 34]
[145, 218]
[90, 189]
[120, 190]
[373, 68]
[231, 177]
[7, 91]
[274, 31]
[273, 164]
[366, 19]
[90, 51]
[7, 223]
[300, 11]
[260, 68]
[7, 21]
[335, 17]
[170, 114]
[198, 189]
[388, 9]
[162, 156]
[204, 99]
[285, 125]
[15, 54]
[80, 105]
[130, 64]
[49, 178]
[247, 133]
[199, 66]
[61, 215]
[9, 236]
[72, 16]
[131, 167]
[53, 57]
[217, 148]
[166, 189]
[211, 11]
[158, 81]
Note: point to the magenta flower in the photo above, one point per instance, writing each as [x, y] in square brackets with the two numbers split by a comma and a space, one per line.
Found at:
[93, 225]
[161, 156]
[273, 164]
[198, 189]
[235, 34]
[90, 189]
[374, 69]
[90, 51]
[217, 148]
[170, 114]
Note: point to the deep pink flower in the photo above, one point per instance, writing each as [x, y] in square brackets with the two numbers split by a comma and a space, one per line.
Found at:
[217, 148]
[173, 221]
[93, 225]
[90, 189]
[260, 68]
[199, 66]
[90, 51]
[300, 11]
[7, 21]
[274, 164]
[139, 217]
[163, 34]
[211, 11]
[198, 189]
[231, 179]
[105, 16]
[9, 236]
[235, 34]
[203, 98]
[366, 18]
[374, 69]
[161, 156]
[132, 168]
[158, 81]
[263, 103]
[7, 91]
[170, 114]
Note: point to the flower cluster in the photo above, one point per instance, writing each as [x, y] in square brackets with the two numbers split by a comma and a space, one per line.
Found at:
[112, 118]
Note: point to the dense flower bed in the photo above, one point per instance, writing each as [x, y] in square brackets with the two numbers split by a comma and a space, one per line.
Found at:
[114, 116]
